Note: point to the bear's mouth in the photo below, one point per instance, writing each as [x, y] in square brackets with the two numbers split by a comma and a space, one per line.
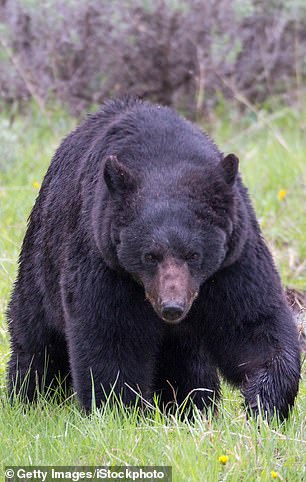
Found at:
[174, 321]
[173, 312]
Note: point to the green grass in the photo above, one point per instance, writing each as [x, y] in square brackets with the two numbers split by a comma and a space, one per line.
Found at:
[272, 150]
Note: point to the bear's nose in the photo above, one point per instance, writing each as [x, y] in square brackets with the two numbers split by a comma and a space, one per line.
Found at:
[171, 311]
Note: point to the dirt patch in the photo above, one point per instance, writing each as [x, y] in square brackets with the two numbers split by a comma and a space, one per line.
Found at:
[297, 302]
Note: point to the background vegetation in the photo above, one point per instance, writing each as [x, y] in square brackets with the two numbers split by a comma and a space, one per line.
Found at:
[187, 53]
[237, 68]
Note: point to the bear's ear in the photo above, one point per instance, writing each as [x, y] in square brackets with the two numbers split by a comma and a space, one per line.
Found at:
[229, 168]
[118, 177]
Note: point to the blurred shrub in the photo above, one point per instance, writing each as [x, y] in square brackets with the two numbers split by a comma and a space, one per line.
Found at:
[181, 53]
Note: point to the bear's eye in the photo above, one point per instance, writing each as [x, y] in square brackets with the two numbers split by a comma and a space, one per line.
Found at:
[150, 258]
[193, 257]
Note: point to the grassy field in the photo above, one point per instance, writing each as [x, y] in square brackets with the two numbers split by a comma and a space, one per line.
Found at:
[272, 150]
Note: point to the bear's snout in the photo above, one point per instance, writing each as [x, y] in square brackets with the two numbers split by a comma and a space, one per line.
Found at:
[171, 291]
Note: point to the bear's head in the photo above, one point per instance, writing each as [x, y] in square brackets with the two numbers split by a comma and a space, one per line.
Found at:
[171, 231]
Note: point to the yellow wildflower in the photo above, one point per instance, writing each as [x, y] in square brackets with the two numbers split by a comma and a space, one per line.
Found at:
[274, 474]
[223, 459]
[36, 185]
[282, 193]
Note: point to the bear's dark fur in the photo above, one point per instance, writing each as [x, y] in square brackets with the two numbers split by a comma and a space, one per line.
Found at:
[143, 270]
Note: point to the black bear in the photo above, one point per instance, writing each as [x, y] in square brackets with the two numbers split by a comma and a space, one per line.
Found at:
[143, 270]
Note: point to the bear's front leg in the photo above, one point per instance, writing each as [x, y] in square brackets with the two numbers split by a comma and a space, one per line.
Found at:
[185, 374]
[265, 363]
[271, 388]
[110, 335]
[103, 366]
